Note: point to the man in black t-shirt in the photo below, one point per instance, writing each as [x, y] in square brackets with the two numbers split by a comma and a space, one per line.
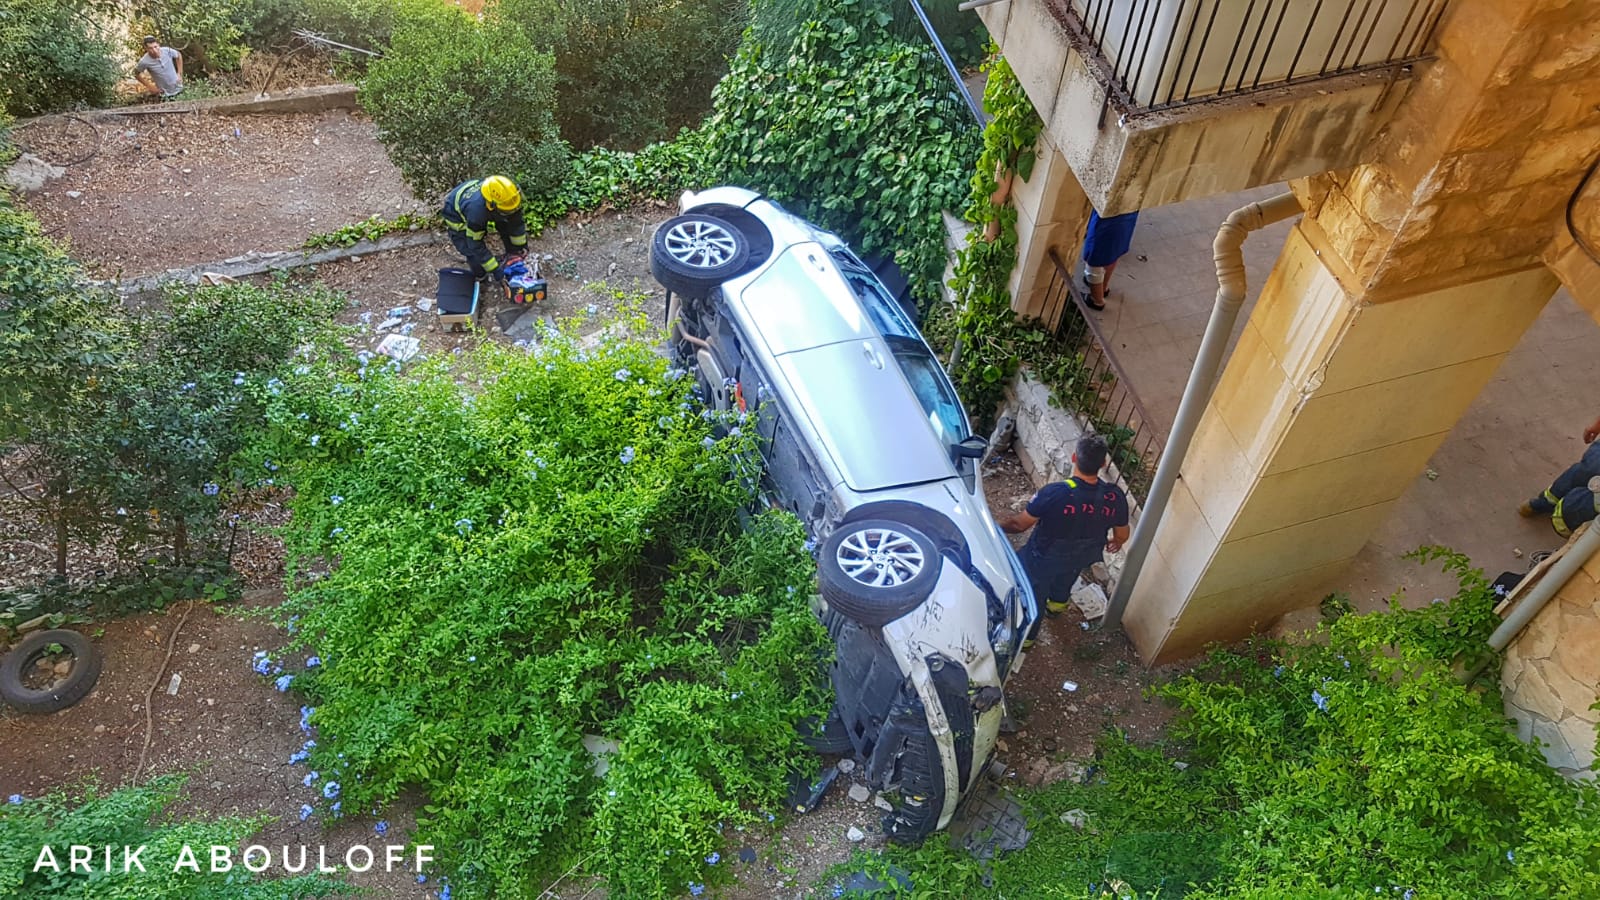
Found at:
[1071, 520]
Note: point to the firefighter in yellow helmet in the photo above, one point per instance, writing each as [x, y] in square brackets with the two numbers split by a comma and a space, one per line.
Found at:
[471, 207]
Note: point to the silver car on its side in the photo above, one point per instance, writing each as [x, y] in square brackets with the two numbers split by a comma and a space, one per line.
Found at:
[864, 438]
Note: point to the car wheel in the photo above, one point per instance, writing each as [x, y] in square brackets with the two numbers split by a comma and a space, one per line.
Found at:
[692, 254]
[876, 570]
[28, 688]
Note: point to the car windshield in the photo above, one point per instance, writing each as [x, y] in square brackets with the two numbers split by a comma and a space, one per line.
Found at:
[932, 387]
[881, 308]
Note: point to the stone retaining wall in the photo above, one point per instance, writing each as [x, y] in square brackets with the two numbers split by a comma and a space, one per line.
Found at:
[1551, 677]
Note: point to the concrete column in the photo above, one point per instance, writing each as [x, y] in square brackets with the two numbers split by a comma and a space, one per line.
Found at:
[1052, 214]
[1392, 304]
[1327, 412]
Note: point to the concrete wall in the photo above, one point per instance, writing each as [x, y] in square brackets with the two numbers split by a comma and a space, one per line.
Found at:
[1551, 678]
[1140, 160]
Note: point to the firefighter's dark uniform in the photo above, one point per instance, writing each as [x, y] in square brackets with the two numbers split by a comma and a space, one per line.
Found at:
[1074, 518]
[467, 218]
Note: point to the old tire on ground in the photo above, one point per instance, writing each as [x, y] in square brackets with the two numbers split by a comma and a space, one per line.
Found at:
[692, 254]
[65, 692]
[876, 570]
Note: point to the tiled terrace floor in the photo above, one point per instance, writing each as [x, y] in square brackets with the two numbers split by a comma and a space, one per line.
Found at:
[1524, 428]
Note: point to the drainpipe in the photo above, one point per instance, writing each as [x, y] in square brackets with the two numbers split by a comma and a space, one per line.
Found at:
[1578, 553]
[1228, 252]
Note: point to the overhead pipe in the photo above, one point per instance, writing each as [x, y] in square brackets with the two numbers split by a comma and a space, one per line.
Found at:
[1228, 252]
[1577, 553]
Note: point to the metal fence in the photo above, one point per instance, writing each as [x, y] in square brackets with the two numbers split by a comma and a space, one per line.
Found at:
[1092, 385]
[1157, 54]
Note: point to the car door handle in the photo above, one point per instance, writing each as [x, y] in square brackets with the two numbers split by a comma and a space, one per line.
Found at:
[871, 353]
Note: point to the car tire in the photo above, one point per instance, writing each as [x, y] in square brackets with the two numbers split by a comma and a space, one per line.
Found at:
[69, 690]
[874, 571]
[692, 254]
[929, 521]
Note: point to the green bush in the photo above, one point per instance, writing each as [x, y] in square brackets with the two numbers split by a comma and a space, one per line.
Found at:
[1355, 765]
[463, 100]
[631, 71]
[529, 548]
[776, 24]
[52, 58]
[128, 817]
[861, 132]
[206, 32]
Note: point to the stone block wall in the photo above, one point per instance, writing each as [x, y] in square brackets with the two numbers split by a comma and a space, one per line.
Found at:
[1551, 678]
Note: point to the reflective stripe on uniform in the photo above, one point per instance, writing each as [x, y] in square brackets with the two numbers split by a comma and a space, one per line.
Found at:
[455, 200]
[1551, 497]
[1559, 523]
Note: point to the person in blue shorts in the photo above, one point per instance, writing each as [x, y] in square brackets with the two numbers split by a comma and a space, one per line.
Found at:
[1107, 241]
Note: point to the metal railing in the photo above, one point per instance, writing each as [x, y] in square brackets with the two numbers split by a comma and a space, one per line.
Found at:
[1092, 385]
[1157, 54]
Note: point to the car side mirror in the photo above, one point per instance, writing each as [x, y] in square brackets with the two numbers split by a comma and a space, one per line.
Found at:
[971, 448]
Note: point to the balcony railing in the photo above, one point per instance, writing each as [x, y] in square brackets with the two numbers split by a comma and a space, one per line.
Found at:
[1157, 54]
[1093, 386]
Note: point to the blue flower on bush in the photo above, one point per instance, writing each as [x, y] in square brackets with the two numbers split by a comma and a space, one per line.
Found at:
[238, 378]
[283, 682]
[305, 715]
[591, 309]
[382, 828]
[274, 386]
[297, 757]
[308, 745]
[261, 663]
[664, 422]
[270, 466]
[1277, 672]
[313, 662]
[627, 455]
[336, 532]
[444, 893]
[186, 386]
[696, 890]
[305, 811]
[621, 374]
[335, 807]
[421, 878]
[336, 499]
[708, 443]
[310, 778]
[714, 858]
[463, 525]
[539, 461]
[1511, 856]
[316, 439]
[14, 799]
[1319, 700]
[303, 416]
[210, 489]
[330, 790]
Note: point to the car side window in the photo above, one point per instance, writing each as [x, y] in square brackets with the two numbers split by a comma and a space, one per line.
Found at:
[885, 313]
[933, 389]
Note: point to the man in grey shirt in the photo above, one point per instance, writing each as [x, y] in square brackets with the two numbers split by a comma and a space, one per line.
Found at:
[164, 66]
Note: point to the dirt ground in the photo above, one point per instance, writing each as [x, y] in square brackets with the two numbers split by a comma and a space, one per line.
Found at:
[162, 191]
[167, 191]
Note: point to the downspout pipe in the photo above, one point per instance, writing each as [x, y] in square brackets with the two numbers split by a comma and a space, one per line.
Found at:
[1578, 553]
[1228, 252]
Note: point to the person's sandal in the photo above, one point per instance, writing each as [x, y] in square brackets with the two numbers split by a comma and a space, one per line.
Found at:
[1088, 300]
